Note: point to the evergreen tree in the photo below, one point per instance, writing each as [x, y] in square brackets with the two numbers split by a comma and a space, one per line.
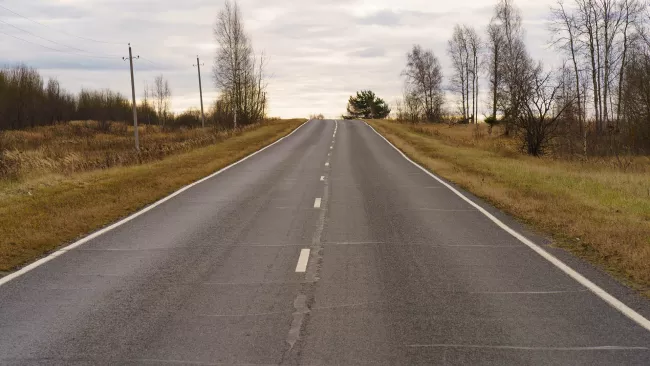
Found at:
[367, 105]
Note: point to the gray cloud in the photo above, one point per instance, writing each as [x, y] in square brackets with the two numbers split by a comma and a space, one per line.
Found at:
[382, 17]
[370, 52]
[319, 52]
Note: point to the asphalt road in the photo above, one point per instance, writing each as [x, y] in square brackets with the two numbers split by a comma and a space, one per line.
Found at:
[327, 248]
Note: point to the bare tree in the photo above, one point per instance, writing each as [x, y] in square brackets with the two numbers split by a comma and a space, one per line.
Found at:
[539, 116]
[424, 82]
[635, 101]
[162, 98]
[632, 11]
[597, 35]
[145, 103]
[566, 33]
[238, 73]
[413, 106]
[495, 45]
[515, 64]
[458, 51]
[464, 48]
[474, 48]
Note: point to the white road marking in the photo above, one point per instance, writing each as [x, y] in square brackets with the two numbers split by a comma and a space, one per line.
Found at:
[527, 292]
[317, 203]
[241, 315]
[329, 154]
[302, 260]
[530, 348]
[322, 178]
[428, 245]
[92, 236]
[366, 303]
[327, 164]
[240, 283]
[352, 242]
[444, 209]
[597, 290]
[331, 147]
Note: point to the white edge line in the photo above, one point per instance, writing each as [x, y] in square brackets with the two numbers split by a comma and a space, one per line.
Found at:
[92, 236]
[317, 203]
[597, 290]
[302, 260]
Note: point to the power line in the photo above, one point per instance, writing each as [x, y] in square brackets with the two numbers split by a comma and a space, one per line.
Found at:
[104, 56]
[152, 62]
[54, 49]
[58, 30]
[24, 40]
[43, 38]
[49, 40]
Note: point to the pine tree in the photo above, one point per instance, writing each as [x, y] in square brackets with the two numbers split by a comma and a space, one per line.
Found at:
[367, 105]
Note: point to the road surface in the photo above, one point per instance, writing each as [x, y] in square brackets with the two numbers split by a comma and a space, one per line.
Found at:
[327, 248]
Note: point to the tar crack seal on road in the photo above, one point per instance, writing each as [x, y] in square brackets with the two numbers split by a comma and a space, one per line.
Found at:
[305, 298]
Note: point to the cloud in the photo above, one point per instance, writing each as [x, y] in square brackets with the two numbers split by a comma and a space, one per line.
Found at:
[370, 52]
[319, 52]
[382, 17]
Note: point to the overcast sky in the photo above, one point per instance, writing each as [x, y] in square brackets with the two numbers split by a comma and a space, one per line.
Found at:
[319, 52]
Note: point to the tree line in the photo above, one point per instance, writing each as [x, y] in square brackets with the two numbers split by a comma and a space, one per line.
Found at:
[28, 100]
[596, 103]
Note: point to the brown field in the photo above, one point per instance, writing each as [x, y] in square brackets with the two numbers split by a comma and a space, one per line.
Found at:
[87, 145]
[591, 207]
[65, 181]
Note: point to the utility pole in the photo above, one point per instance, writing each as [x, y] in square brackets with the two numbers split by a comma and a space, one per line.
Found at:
[198, 66]
[135, 107]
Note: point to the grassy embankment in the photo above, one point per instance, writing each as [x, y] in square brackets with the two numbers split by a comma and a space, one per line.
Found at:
[591, 208]
[61, 182]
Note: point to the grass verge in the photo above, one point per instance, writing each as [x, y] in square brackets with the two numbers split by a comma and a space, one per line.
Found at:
[39, 215]
[590, 208]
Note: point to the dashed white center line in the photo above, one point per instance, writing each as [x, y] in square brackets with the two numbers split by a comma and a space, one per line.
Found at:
[317, 203]
[322, 178]
[327, 164]
[331, 147]
[302, 260]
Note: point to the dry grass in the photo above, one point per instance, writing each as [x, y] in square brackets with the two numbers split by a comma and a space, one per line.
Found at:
[43, 208]
[589, 207]
[87, 145]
